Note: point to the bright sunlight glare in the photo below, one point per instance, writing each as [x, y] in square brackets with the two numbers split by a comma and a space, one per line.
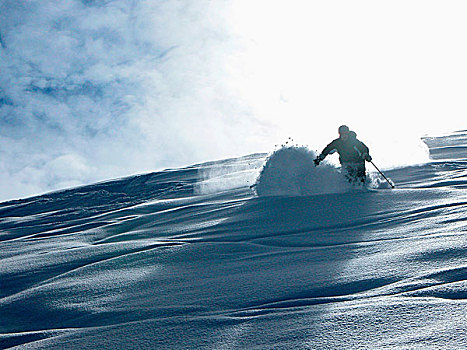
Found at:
[393, 71]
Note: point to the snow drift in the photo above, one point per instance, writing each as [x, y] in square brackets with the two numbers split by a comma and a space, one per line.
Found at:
[166, 261]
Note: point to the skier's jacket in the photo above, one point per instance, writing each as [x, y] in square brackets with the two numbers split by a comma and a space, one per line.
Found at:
[350, 151]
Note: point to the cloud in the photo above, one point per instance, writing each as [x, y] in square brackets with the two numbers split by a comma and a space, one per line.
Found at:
[119, 87]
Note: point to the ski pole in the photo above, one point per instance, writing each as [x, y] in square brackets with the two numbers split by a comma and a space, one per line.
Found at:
[389, 182]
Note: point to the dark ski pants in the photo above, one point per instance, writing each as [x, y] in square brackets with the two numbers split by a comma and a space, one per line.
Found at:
[354, 172]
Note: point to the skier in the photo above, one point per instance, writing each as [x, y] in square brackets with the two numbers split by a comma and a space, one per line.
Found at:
[352, 154]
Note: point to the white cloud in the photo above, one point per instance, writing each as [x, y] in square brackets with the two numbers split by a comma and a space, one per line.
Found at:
[126, 86]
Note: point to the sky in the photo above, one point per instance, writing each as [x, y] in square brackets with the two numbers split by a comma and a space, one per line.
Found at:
[94, 90]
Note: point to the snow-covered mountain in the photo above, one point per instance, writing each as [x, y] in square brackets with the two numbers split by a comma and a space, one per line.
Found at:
[193, 258]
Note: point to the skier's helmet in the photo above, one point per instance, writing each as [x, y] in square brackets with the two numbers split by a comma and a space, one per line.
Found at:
[343, 129]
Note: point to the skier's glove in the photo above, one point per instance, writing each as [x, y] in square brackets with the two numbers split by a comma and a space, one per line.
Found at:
[367, 157]
[318, 159]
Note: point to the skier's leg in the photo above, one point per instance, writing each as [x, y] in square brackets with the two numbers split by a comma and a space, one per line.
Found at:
[361, 172]
[349, 172]
[354, 172]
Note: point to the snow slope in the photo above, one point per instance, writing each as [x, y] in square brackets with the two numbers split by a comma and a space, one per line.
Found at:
[193, 259]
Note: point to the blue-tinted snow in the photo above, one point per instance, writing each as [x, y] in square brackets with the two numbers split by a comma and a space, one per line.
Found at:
[192, 258]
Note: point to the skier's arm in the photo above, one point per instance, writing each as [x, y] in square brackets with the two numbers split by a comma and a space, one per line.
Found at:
[364, 151]
[328, 149]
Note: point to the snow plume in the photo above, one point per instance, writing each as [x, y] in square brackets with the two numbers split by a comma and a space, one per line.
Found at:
[228, 175]
[290, 171]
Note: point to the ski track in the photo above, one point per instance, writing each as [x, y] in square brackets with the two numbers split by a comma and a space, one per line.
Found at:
[182, 259]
